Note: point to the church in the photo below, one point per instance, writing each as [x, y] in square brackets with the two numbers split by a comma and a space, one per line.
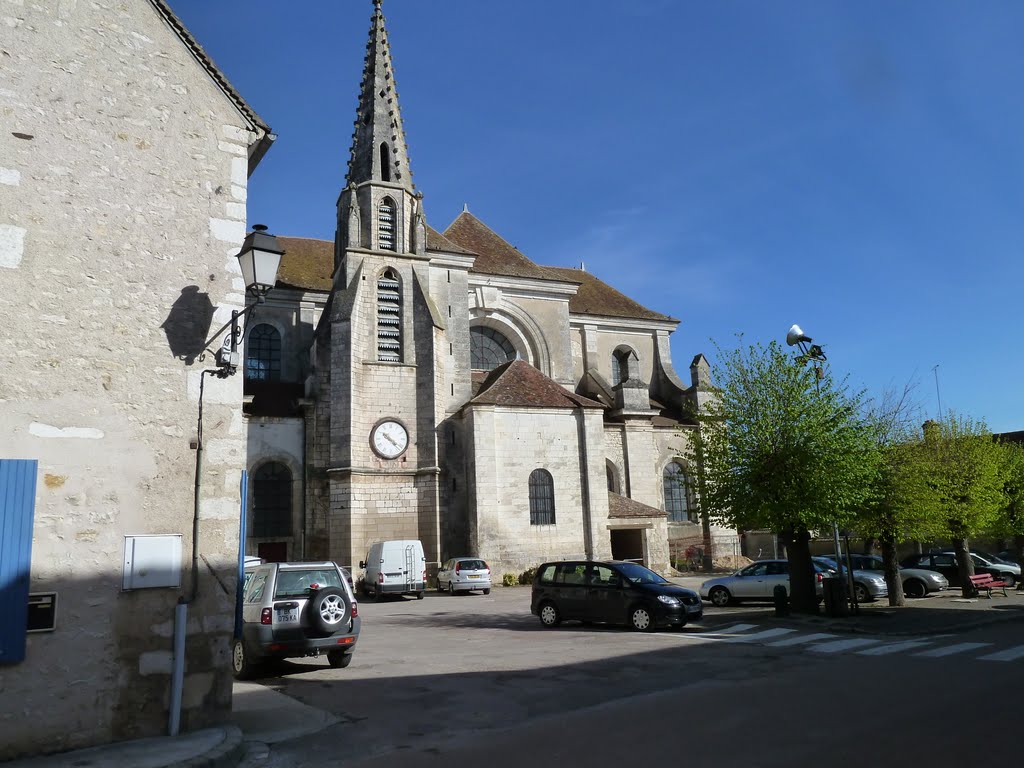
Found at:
[408, 382]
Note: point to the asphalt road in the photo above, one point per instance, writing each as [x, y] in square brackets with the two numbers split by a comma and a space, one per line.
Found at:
[475, 680]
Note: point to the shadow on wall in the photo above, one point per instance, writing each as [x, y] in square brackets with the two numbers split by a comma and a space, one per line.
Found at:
[188, 324]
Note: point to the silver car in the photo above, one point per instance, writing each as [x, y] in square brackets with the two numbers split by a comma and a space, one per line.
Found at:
[917, 582]
[755, 582]
[867, 585]
[464, 574]
[295, 609]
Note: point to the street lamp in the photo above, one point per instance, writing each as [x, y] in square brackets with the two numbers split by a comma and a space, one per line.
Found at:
[259, 258]
[811, 352]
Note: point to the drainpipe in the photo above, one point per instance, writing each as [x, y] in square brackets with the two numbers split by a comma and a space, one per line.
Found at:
[181, 609]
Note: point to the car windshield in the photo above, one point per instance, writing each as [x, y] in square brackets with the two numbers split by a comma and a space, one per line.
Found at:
[637, 574]
[826, 562]
[296, 583]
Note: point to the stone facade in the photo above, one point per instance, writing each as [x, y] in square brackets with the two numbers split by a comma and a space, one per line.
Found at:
[122, 202]
[498, 368]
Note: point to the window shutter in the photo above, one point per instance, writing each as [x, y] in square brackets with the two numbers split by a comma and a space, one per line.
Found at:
[17, 510]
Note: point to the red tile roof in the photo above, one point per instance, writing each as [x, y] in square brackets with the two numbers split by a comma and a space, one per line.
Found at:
[520, 384]
[621, 507]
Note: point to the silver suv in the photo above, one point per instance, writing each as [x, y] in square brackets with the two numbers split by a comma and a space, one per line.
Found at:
[295, 609]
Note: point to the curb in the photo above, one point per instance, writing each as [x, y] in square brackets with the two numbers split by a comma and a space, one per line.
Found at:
[227, 754]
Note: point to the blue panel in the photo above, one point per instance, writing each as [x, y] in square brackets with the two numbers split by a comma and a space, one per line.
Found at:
[241, 554]
[17, 510]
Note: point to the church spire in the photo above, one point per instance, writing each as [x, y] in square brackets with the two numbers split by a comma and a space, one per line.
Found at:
[378, 151]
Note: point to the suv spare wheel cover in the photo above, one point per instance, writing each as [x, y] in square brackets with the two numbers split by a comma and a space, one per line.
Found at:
[327, 610]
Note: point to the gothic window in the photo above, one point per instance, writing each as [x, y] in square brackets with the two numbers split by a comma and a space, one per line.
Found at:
[386, 224]
[488, 349]
[263, 354]
[272, 501]
[389, 317]
[542, 498]
[613, 477]
[676, 492]
[620, 366]
[385, 163]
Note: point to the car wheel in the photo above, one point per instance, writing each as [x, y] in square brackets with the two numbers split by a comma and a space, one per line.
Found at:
[451, 588]
[549, 615]
[862, 594]
[339, 659]
[487, 591]
[719, 596]
[914, 588]
[641, 619]
[419, 595]
[327, 610]
[242, 668]
[440, 588]
[1008, 579]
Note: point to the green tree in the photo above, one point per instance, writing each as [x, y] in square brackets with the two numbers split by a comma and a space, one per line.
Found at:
[785, 448]
[1010, 523]
[965, 470]
[902, 504]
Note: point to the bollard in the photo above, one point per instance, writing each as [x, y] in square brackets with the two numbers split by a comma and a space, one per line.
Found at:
[781, 600]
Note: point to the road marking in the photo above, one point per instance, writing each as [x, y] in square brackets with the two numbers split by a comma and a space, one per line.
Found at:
[757, 636]
[839, 646]
[949, 650]
[801, 640]
[1008, 655]
[885, 650]
[732, 630]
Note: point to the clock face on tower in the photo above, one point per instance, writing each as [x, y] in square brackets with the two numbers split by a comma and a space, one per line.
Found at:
[389, 439]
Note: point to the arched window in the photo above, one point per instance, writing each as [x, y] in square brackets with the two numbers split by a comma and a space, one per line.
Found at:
[385, 163]
[488, 349]
[620, 366]
[386, 224]
[676, 493]
[389, 317]
[271, 501]
[542, 498]
[263, 354]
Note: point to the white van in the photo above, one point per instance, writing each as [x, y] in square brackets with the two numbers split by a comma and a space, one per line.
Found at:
[394, 568]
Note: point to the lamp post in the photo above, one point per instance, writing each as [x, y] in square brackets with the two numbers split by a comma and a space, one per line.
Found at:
[813, 353]
[259, 258]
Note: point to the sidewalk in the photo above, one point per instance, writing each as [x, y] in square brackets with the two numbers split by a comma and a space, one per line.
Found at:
[260, 716]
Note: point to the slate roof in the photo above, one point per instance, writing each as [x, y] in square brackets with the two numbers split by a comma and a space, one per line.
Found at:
[620, 507]
[519, 384]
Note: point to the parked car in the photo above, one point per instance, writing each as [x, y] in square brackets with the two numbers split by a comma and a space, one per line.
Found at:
[757, 581]
[396, 567]
[868, 586]
[612, 592]
[464, 574]
[946, 564]
[917, 582]
[295, 609]
[1007, 556]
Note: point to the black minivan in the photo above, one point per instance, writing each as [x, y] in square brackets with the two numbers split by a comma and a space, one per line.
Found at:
[612, 592]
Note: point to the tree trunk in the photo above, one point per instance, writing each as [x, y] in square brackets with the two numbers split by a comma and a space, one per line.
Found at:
[869, 544]
[892, 573]
[965, 567]
[802, 583]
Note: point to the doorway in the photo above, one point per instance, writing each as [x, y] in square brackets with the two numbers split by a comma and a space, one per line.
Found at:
[628, 544]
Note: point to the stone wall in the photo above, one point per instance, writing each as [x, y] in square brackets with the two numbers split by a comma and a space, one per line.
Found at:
[122, 201]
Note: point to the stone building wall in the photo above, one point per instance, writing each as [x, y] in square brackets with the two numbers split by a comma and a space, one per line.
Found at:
[123, 178]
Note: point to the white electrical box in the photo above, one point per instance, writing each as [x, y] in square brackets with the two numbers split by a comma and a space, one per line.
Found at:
[152, 561]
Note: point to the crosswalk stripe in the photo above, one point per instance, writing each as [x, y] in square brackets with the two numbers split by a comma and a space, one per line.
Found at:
[801, 639]
[843, 645]
[733, 629]
[1008, 655]
[758, 636]
[949, 650]
[885, 650]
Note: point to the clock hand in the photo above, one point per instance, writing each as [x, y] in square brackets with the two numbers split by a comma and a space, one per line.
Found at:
[389, 438]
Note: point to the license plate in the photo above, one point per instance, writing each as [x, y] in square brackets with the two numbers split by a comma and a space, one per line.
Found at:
[474, 575]
[288, 616]
[693, 609]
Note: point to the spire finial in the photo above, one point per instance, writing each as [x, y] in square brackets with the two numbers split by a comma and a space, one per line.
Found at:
[377, 4]
[465, 207]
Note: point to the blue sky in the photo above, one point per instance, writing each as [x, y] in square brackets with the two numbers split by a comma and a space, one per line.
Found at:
[857, 168]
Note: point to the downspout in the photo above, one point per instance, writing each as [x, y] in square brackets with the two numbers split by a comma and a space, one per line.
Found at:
[181, 609]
